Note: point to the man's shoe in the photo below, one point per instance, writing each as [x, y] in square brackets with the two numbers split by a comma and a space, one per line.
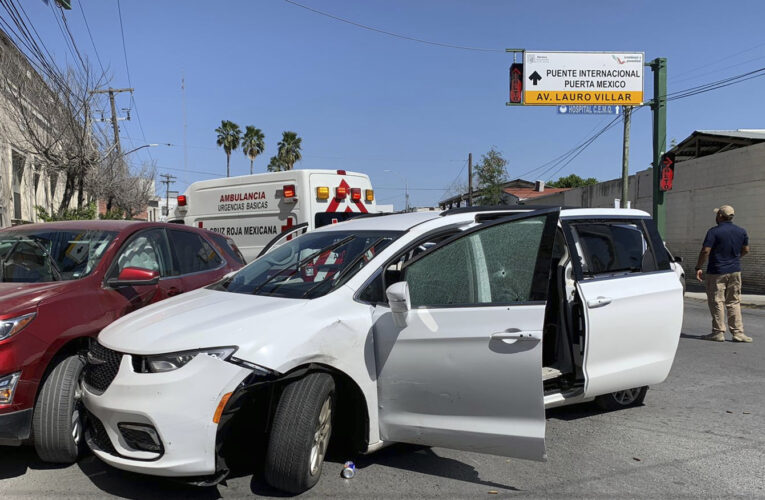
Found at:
[741, 338]
[716, 337]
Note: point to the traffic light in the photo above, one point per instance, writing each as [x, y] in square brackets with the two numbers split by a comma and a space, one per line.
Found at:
[667, 173]
[516, 83]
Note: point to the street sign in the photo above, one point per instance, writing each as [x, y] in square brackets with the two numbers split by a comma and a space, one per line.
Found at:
[589, 110]
[667, 171]
[516, 83]
[583, 78]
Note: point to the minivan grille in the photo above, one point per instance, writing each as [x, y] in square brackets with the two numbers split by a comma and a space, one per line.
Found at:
[101, 367]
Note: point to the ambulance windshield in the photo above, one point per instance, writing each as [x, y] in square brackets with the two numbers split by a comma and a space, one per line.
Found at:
[311, 265]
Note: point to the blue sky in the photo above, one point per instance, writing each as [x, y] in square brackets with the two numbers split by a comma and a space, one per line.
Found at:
[369, 102]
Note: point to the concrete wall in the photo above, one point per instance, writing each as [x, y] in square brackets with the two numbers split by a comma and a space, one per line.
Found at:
[734, 178]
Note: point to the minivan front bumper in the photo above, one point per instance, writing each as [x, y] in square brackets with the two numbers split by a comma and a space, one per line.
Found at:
[175, 407]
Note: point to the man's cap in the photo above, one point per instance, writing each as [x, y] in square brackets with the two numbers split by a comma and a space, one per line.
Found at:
[725, 211]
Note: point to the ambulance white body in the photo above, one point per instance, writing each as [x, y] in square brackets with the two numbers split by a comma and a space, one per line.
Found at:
[253, 209]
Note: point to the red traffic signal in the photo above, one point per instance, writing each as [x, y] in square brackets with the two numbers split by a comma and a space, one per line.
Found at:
[516, 83]
[667, 172]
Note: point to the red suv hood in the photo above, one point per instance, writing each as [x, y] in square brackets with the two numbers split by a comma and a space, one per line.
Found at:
[24, 296]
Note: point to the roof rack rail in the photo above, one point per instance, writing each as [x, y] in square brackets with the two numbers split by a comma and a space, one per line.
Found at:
[497, 208]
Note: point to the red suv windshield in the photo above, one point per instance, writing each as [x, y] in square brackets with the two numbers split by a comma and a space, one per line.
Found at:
[47, 255]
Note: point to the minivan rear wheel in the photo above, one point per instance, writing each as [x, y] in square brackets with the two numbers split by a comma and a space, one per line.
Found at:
[622, 399]
[300, 434]
[57, 421]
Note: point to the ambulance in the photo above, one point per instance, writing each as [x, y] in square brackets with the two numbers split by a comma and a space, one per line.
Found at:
[253, 209]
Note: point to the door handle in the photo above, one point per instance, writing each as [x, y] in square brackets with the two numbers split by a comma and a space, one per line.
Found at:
[516, 334]
[598, 302]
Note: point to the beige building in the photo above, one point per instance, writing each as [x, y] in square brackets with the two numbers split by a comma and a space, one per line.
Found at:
[713, 168]
[23, 182]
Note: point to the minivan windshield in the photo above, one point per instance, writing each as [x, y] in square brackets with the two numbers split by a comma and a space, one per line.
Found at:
[311, 265]
[35, 256]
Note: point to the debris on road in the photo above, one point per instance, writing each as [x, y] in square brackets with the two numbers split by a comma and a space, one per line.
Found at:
[349, 470]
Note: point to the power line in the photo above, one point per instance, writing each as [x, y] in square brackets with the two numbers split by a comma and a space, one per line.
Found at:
[396, 35]
[90, 35]
[130, 83]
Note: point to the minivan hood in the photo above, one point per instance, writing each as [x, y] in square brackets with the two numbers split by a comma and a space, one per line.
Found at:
[198, 319]
[25, 296]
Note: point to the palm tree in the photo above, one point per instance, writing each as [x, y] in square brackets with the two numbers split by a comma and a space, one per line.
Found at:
[276, 164]
[229, 135]
[289, 149]
[252, 143]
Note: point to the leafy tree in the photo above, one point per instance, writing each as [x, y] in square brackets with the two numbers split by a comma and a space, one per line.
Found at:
[572, 181]
[490, 174]
[88, 212]
[289, 149]
[253, 143]
[276, 164]
[229, 135]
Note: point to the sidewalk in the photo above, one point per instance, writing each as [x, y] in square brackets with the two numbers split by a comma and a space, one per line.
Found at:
[747, 300]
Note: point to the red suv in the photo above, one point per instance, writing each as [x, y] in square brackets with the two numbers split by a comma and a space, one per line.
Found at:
[60, 284]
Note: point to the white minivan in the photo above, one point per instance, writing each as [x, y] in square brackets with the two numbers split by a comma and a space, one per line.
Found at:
[455, 330]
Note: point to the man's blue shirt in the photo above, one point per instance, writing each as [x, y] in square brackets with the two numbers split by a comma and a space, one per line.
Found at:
[726, 241]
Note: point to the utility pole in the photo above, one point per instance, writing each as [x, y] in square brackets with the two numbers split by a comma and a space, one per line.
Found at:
[167, 179]
[626, 157]
[115, 126]
[470, 179]
[659, 107]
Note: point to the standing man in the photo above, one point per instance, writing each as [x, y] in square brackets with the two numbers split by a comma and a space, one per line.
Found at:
[724, 244]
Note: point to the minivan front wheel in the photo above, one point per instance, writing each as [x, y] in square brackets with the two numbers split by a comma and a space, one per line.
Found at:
[622, 399]
[302, 428]
[57, 420]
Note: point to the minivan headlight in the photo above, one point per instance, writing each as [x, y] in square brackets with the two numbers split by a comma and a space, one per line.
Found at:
[12, 326]
[158, 363]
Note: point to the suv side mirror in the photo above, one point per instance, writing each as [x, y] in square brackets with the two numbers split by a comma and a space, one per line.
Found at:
[398, 299]
[678, 259]
[134, 276]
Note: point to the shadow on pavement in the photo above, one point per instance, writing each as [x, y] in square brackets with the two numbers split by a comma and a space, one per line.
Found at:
[16, 460]
[138, 486]
[423, 460]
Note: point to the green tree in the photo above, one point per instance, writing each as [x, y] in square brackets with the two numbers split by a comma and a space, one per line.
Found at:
[490, 174]
[572, 181]
[253, 143]
[229, 135]
[289, 149]
[276, 164]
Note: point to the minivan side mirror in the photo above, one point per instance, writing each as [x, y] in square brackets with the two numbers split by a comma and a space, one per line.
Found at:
[398, 299]
[134, 276]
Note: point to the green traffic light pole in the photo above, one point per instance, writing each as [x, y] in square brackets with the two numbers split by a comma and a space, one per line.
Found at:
[659, 107]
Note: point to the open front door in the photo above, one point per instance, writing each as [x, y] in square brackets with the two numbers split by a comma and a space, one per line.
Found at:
[466, 370]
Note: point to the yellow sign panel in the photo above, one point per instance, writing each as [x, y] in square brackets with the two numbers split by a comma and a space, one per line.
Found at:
[602, 97]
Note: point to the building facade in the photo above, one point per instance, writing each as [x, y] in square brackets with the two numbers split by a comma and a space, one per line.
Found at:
[24, 183]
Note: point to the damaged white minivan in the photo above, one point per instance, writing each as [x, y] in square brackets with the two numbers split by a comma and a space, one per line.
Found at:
[455, 330]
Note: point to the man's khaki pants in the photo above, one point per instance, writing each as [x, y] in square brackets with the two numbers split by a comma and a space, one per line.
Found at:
[724, 292]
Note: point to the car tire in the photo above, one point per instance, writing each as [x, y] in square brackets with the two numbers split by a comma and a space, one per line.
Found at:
[622, 399]
[300, 434]
[57, 424]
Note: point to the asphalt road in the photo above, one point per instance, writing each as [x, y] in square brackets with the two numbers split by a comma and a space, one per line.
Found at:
[699, 434]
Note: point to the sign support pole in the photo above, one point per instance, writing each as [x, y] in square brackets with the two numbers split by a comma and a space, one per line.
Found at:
[626, 157]
[659, 107]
